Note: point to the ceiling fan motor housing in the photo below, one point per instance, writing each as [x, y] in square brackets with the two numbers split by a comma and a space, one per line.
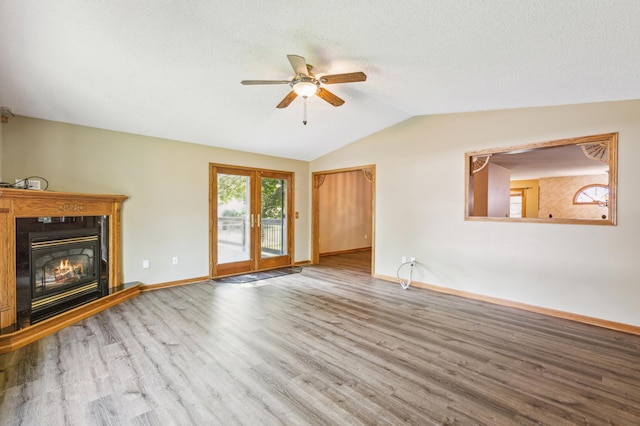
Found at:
[305, 85]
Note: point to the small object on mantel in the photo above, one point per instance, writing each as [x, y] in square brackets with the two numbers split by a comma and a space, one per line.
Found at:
[5, 113]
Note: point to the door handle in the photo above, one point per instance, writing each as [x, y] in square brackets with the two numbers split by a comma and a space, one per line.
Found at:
[259, 221]
[252, 220]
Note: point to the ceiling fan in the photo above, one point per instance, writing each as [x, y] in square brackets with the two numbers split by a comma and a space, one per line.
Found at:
[305, 84]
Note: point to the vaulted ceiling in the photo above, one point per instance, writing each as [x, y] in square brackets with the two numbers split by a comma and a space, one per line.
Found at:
[172, 69]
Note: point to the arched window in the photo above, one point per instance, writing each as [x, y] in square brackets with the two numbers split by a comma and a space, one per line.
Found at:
[592, 194]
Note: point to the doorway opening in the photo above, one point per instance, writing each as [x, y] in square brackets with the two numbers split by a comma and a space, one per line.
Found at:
[343, 213]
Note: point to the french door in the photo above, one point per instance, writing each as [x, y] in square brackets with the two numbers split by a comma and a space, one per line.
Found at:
[251, 219]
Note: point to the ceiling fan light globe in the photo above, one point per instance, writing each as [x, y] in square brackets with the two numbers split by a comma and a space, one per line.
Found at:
[305, 88]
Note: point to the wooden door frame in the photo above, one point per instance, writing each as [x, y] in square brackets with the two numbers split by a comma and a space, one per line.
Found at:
[213, 223]
[317, 178]
[272, 262]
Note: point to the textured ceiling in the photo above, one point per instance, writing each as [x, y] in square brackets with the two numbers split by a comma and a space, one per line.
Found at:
[565, 160]
[172, 69]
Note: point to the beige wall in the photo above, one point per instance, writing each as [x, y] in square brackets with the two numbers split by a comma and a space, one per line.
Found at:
[587, 270]
[167, 182]
[345, 208]
[556, 197]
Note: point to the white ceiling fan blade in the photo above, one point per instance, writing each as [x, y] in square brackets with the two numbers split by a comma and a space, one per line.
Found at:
[299, 64]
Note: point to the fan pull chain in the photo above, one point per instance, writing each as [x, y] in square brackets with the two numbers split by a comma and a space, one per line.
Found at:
[304, 118]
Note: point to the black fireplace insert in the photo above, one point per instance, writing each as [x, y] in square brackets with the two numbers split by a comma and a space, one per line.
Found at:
[61, 263]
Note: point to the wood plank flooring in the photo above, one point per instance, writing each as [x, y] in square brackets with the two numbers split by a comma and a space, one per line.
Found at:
[329, 345]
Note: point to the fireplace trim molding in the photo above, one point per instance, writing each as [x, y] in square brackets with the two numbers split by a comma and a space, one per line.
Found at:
[16, 203]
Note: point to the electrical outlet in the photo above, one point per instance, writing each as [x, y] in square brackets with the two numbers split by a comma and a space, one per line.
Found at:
[145, 264]
[175, 260]
[404, 259]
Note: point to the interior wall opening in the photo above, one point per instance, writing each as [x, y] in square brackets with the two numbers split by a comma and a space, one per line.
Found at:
[343, 212]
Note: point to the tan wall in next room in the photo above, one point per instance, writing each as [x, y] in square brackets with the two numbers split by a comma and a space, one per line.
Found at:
[556, 197]
[345, 212]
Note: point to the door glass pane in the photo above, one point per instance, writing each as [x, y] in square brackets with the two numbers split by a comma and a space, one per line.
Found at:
[274, 224]
[233, 218]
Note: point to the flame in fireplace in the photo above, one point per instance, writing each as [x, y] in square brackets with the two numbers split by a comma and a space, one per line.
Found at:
[68, 271]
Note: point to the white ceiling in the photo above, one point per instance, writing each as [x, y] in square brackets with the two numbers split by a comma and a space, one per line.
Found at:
[563, 160]
[172, 69]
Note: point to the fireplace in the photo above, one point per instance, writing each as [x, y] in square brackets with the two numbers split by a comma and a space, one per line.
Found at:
[28, 297]
[61, 263]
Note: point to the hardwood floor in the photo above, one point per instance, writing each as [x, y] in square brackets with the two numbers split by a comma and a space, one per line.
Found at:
[329, 345]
